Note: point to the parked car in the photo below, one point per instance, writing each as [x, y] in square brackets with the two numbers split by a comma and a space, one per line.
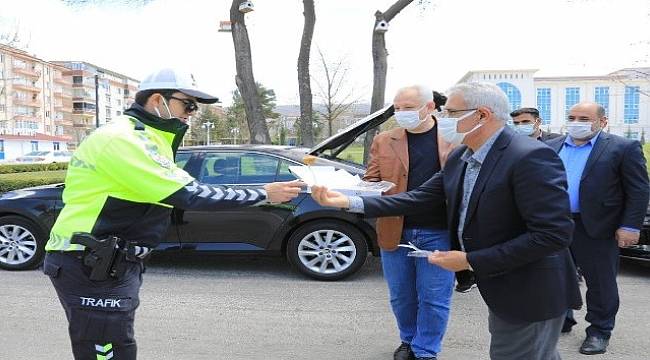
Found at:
[323, 243]
[44, 157]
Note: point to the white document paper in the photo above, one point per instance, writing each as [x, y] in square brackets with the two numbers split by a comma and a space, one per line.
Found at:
[339, 180]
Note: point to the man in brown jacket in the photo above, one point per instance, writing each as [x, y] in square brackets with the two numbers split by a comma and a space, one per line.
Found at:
[420, 293]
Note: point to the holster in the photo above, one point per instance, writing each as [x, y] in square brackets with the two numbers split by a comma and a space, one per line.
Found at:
[106, 257]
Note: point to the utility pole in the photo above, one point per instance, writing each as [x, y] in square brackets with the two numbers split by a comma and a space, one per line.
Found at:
[207, 125]
[96, 101]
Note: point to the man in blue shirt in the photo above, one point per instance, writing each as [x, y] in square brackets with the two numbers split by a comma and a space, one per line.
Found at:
[608, 193]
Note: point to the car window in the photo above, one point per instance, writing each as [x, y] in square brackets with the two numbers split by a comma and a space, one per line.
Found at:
[258, 168]
[220, 168]
[182, 159]
[283, 172]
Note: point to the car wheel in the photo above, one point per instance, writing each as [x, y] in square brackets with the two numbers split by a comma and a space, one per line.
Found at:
[22, 243]
[327, 249]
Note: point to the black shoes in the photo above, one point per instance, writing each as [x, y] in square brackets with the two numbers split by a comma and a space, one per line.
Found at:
[404, 352]
[465, 281]
[568, 324]
[594, 345]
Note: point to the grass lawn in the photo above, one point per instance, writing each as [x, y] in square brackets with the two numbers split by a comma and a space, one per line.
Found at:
[15, 181]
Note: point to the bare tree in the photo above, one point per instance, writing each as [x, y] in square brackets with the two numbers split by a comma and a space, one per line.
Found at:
[304, 79]
[259, 132]
[335, 98]
[380, 64]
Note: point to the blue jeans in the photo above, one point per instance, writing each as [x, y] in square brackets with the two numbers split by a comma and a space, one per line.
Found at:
[420, 293]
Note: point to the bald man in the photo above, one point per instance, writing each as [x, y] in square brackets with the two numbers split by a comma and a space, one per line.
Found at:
[608, 191]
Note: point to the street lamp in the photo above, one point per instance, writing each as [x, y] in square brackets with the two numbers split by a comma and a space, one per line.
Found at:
[207, 126]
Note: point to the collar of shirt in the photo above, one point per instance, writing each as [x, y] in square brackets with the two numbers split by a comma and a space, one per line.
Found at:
[481, 153]
[592, 141]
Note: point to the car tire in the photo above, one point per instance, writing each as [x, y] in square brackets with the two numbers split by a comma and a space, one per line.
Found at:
[22, 243]
[327, 249]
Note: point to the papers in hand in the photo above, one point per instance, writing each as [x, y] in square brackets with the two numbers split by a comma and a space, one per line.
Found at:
[416, 251]
[339, 180]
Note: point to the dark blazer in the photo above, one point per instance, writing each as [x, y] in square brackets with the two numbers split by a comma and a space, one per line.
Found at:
[517, 230]
[545, 136]
[614, 187]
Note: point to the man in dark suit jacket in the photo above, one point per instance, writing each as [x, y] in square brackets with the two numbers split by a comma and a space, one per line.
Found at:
[509, 221]
[527, 122]
[608, 191]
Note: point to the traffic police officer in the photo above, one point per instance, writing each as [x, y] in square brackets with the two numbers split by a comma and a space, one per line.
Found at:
[121, 184]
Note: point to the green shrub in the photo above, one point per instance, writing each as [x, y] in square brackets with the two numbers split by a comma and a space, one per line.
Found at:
[15, 181]
[22, 168]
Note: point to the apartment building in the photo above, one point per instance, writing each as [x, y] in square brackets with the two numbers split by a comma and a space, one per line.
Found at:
[35, 104]
[98, 95]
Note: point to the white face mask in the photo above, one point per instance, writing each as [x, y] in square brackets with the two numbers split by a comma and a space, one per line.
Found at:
[525, 129]
[409, 119]
[167, 108]
[579, 130]
[448, 128]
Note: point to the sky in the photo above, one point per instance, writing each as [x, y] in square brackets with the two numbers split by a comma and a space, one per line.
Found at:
[434, 43]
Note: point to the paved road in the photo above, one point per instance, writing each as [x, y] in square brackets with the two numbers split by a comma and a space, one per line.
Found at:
[243, 308]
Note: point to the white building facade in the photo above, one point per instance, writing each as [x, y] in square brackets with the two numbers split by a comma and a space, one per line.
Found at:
[625, 95]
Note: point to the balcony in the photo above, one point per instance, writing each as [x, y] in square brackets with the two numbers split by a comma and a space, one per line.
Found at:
[63, 81]
[58, 92]
[27, 102]
[27, 117]
[28, 72]
[84, 112]
[62, 107]
[19, 85]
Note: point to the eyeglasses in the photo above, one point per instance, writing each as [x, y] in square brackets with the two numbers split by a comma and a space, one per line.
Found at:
[190, 105]
[444, 112]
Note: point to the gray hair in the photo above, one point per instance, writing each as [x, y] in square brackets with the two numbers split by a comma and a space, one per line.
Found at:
[478, 94]
[424, 92]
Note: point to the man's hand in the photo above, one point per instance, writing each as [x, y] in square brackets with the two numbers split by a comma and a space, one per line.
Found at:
[450, 260]
[325, 197]
[627, 238]
[279, 192]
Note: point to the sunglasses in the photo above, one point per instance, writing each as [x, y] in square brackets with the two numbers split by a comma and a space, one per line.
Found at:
[190, 105]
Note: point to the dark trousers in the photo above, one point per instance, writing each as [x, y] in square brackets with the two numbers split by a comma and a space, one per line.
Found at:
[100, 313]
[598, 259]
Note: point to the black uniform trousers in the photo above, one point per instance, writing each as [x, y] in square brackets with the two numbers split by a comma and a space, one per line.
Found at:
[599, 261]
[100, 313]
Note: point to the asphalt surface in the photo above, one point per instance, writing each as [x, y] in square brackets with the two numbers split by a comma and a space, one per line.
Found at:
[258, 308]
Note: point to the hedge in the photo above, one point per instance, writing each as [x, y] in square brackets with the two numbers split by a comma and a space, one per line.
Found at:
[15, 181]
[11, 169]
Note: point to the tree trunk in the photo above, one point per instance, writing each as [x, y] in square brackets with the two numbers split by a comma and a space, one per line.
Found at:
[380, 66]
[259, 132]
[304, 80]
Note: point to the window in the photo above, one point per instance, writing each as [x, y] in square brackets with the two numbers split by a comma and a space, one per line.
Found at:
[77, 79]
[544, 104]
[182, 159]
[2, 146]
[283, 173]
[632, 134]
[631, 105]
[55, 145]
[571, 97]
[601, 97]
[514, 95]
[238, 168]
[34, 145]
[118, 113]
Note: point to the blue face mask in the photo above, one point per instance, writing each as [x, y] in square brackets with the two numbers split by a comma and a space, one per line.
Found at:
[525, 129]
[409, 119]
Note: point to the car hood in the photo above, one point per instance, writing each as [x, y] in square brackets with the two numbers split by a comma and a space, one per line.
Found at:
[52, 191]
[341, 140]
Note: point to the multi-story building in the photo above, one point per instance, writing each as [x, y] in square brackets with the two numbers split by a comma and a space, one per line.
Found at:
[115, 91]
[625, 95]
[35, 104]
